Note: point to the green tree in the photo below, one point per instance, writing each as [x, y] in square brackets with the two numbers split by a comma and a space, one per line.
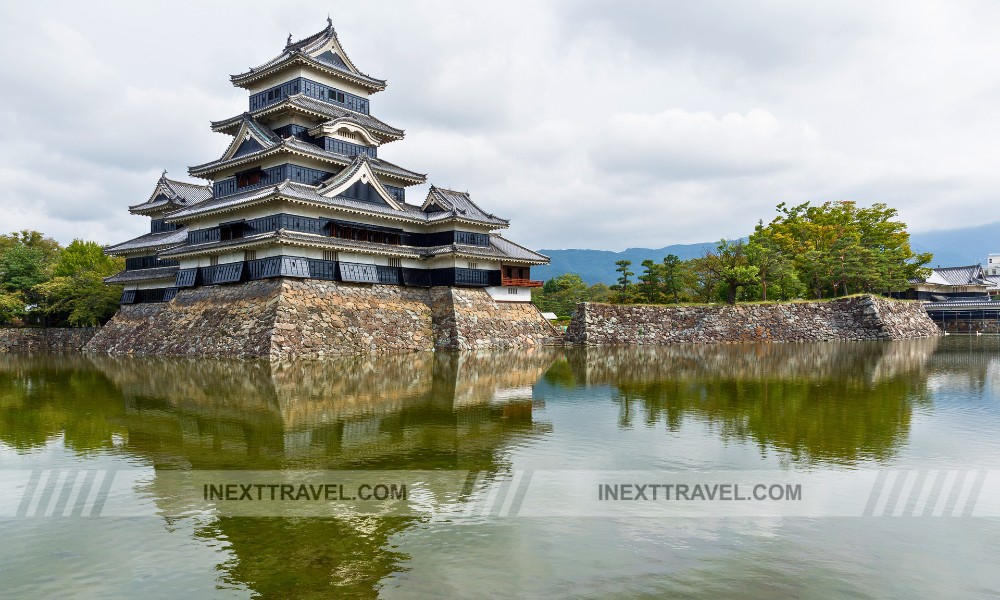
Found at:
[22, 268]
[730, 266]
[672, 271]
[623, 283]
[77, 294]
[651, 288]
[840, 248]
[561, 294]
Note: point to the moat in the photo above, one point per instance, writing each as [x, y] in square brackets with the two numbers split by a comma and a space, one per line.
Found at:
[804, 412]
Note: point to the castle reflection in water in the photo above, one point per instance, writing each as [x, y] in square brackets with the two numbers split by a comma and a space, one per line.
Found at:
[830, 402]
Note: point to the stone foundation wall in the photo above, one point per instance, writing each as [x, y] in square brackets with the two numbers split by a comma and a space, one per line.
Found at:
[319, 318]
[470, 319]
[854, 318]
[206, 321]
[53, 339]
[283, 318]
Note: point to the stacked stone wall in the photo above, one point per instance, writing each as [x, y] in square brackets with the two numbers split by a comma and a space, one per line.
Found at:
[284, 318]
[853, 318]
[220, 320]
[319, 318]
[53, 339]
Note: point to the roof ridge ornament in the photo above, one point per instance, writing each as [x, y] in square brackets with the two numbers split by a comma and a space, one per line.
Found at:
[289, 41]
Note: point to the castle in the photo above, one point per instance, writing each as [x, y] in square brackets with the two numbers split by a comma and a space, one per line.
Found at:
[301, 205]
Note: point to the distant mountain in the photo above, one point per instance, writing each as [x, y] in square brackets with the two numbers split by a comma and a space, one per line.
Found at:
[958, 247]
[951, 248]
[598, 266]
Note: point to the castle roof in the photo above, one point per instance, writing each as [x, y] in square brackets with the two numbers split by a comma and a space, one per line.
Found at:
[149, 242]
[500, 248]
[136, 275]
[442, 204]
[316, 108]
[307, 194]
[295, 146]
[967, 275]
[170, 193]
[321, 51]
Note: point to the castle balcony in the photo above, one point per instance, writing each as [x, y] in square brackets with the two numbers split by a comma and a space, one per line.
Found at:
[514, 282]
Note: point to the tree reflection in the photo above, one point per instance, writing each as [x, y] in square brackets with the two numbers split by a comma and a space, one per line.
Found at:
[416, 411]
[832, 402]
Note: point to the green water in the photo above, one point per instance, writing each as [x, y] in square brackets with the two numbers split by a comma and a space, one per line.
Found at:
[798, 409]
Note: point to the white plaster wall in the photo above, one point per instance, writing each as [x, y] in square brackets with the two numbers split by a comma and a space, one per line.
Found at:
[509, 294]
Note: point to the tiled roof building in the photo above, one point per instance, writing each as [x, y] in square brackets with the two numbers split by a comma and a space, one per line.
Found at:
[301, 192]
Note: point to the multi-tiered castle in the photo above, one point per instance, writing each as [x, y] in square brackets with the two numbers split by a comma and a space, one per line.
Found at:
[301, 193]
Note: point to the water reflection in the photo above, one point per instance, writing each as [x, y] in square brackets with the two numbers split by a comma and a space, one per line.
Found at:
[838, 403]
[420, 411]
[826, 402]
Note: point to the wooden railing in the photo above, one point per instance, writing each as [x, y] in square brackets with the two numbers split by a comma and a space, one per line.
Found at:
[511, 282]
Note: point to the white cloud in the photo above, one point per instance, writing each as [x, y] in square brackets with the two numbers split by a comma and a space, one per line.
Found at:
[589, 124]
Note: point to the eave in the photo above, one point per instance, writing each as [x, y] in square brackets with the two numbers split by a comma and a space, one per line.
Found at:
[207, 169]
[276, 196]
[247, 79]
[230, 125]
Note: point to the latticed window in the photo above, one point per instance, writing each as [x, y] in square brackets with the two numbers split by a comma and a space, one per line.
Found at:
[395, 262]
[250, 255]
[329, 255]
[213, 261]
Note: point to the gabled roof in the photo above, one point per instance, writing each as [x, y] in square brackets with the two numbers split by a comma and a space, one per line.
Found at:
[970, 275]
[293, 145]
[149, 242]
[441, 204]
[171, 194]
[359, 170]
[317, 108]
[499, 248]
[302, 193]
[252, 132]
[321, 51]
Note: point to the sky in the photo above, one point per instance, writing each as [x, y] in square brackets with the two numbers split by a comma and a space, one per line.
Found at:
[588, 124]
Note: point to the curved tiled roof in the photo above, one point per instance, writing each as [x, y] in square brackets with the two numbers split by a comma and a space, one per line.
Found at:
[318, 108]
[149, 241]
[293, 145]
[135, 275]
[170, 192]
[305, 52]
[457, 204]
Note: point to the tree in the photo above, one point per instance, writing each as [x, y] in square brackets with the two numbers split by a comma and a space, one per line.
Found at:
[22, 268]
[774, 269]
[651, 290]
[672, 272]
[839, 248]
[730, 267]
[561, 294]
[77, 294]
[623, 283]
[12, 306]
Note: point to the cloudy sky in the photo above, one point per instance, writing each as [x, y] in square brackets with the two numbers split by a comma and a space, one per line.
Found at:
[590, 124]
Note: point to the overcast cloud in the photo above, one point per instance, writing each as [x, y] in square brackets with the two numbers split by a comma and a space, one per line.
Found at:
[587, 123]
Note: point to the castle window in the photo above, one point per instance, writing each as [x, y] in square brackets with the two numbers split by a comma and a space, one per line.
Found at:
[250, 255]
[395, 262]
[329, 255]
[473, 265]
[248, 178]
[213, 261]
